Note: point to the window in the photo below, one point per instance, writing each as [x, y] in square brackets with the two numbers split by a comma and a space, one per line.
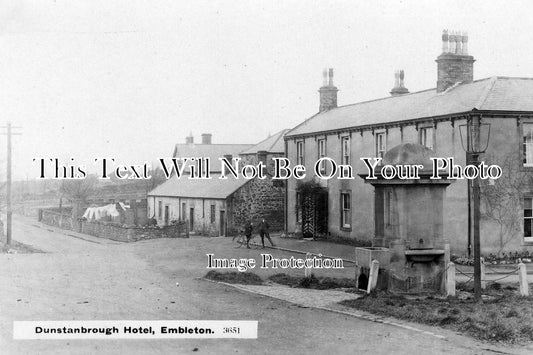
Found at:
[298, 207]
[213, 214]
[321, 154]
[381, 145]
[183, 215]
[528, 219]
[300, 153]
[160, 209]
[528, 144]
[345, 147]
[426, 137]
[346, 206]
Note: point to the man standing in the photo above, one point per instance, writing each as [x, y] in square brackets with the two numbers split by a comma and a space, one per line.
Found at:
[264, 232]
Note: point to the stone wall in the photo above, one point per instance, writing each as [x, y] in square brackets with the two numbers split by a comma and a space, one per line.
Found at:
[255, 200]
[112, 230]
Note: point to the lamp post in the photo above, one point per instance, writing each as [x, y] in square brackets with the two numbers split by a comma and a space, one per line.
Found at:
[475, 140]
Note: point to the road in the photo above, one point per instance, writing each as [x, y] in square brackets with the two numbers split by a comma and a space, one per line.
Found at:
[95, 279]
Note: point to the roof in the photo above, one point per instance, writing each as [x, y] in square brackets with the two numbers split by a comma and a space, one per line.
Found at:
[214, 188]
[211, 151]
[495, 93]
[272, 144]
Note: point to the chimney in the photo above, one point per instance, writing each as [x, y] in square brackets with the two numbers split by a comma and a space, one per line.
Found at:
[328, 92]
[454, 65]
[189, 139]
[399, 86]
[206, 138]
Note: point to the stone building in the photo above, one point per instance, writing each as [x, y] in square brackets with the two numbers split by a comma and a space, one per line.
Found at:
[264, 151]
[219, 207]
[432, 118]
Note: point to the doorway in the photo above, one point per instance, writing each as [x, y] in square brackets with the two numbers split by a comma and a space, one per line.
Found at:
[191, 219]
[222, 232]
[166, 216]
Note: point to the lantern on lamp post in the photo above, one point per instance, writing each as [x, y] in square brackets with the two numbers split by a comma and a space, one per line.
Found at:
[475, 140]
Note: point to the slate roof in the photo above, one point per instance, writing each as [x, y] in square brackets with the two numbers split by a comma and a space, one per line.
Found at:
[495, 93]
[211, 151]
[213, 188]
[272, 144]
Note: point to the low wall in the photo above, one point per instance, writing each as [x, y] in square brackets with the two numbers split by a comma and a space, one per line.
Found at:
[112, 230]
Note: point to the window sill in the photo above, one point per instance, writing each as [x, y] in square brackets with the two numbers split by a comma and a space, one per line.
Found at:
[527, 241]
[346, 228]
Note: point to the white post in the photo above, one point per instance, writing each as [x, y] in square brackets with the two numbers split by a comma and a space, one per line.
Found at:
[373, 276]
[522, 279]
[307, 271]
[483, 280]
[450, 279]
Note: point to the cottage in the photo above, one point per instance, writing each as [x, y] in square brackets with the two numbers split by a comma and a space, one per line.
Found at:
[221, 206]
[432, 118]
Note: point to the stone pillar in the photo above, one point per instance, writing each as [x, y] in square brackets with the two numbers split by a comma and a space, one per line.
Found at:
[450, 279]
[307, 271]
[522, 279]
[483, 278]
[373, 276]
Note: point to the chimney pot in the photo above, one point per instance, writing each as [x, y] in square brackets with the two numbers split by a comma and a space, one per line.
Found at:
[328, 92]
[189, 139]
[445, 40]
[399, 88]
[465, 43]
[206, 138]
[455, 66]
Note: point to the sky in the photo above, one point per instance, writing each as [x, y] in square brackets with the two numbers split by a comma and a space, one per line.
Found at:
[129, 79]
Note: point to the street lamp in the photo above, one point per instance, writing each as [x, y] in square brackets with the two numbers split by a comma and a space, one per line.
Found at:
[475, 140]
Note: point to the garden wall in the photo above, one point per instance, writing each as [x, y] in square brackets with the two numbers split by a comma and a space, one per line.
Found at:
[112, 230]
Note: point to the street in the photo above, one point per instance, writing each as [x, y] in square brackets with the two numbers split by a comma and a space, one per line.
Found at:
[98, 279]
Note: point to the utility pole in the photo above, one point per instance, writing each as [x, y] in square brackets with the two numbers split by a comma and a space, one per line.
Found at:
[9, 210]
[8, 187]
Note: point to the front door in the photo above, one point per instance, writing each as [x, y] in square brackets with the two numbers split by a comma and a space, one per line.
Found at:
[222, 223]
[166, 216]
[191, 219]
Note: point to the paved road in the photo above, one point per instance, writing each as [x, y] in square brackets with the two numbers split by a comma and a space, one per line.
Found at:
[96, 279]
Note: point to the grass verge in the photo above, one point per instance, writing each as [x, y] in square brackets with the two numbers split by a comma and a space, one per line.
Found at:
[249, 278]
[234, 277]
[18, 248]
[317, 283]
[506, 317]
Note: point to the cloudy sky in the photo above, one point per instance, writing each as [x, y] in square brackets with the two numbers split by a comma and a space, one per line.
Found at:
[129, 79]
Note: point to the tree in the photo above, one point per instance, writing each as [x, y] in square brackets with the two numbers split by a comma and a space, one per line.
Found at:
[502, 198]
[77, 191]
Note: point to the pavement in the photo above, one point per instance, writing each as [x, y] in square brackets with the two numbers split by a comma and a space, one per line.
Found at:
[81, 277]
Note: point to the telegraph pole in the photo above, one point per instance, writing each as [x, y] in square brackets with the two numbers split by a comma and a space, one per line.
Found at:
[8, 187]
[9, 210]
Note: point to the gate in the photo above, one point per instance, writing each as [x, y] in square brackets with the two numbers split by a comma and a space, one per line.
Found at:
[314, 213]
